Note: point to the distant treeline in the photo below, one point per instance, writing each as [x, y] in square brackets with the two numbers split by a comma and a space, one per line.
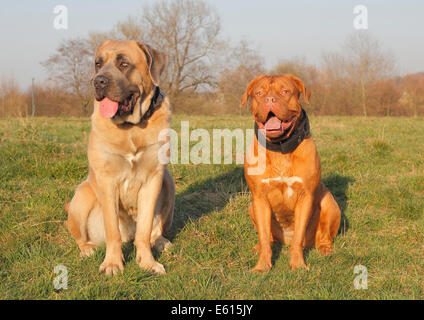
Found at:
[208, 75]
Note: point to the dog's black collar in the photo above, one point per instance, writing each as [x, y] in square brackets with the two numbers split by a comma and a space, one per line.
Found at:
[155, 103]
[289, 144]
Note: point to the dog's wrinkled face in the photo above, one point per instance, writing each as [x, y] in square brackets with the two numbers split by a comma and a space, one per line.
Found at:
[126, 73]
[275, 103]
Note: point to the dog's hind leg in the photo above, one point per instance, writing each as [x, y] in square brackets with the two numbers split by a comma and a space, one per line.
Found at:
[164, 213]
[78, 211]
[157, 240]
[329, 222]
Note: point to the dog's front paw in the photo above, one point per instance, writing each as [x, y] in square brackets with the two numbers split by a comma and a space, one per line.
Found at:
[162, 244]
[297, 262]
[111, 266]
[325, 250]
[157, 268]
[87, 249]
[154, 267]
[262, 267]
[296, 258]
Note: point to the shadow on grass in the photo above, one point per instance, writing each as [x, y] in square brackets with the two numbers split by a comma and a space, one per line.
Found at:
[202, 198]
[338, 186]
[199, 199]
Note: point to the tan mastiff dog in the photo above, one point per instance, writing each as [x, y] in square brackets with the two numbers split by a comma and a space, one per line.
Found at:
[289, 202]
[129, 192]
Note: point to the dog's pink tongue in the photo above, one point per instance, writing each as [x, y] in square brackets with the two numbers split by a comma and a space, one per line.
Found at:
[273, 124]
[108, 108]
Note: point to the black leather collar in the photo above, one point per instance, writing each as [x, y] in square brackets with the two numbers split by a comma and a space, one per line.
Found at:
[290, 143]
[155, 103]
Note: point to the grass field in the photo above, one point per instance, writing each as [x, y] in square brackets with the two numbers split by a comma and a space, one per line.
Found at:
[373, 166]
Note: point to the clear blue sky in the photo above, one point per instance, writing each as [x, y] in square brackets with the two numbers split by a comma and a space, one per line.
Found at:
[280, 29]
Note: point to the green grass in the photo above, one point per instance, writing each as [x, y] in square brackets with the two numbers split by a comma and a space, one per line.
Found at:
[373, 166]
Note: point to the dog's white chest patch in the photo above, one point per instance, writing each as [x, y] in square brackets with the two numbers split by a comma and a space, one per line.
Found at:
[133, 158]
[289, 181]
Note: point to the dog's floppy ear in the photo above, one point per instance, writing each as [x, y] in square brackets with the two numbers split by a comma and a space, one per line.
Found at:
[245, 96]
[302, 89]
[156, 61]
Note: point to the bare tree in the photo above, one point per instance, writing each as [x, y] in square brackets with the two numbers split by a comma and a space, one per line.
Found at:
[349, 75]
[71, 68]
[243, 64]
[188, 32]
[129, 29]
[337, 94]
[365, 62]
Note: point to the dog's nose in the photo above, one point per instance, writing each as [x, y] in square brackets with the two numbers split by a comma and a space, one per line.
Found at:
[270, 99]
[101, 82]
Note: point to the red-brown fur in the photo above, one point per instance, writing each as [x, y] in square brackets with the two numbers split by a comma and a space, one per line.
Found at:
[310, 216]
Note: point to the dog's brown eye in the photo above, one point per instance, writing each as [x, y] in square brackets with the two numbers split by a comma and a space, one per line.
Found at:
[259, 93]
[124, 65]
[285, 91]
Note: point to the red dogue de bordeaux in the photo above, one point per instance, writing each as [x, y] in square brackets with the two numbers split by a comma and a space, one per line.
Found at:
[289, 202]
